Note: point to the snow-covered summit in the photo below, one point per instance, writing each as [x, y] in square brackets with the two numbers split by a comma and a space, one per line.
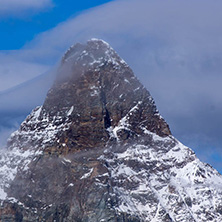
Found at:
[94, 53]
[99, 150]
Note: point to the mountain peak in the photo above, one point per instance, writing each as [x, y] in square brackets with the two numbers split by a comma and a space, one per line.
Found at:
[98, 150]
[99, 43]
[94, 53]
[95, 98]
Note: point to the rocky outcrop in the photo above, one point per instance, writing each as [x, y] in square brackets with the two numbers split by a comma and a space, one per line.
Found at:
[98, 150]
[93, 91]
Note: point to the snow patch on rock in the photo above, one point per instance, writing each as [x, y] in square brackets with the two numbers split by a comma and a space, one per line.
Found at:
[12, 161]
[162, 178]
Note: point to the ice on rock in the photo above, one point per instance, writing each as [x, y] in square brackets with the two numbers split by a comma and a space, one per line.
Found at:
[10, 162]
[70, 111]
[170, 178]
[86, 175]
[109, 146]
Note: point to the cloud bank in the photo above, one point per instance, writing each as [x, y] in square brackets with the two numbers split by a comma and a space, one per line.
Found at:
[15, 71]
[175, 49]
[19, 7]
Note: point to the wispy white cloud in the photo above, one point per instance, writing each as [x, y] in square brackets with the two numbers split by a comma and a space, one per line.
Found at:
[21, 7]
[14, 71]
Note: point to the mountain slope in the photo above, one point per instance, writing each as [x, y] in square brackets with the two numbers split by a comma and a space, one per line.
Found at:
[98, 150]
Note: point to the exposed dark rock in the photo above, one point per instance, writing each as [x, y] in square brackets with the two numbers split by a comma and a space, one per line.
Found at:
[98, 150]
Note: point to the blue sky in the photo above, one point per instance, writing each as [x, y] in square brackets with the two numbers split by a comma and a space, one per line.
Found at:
[19, 28]
[174, 47]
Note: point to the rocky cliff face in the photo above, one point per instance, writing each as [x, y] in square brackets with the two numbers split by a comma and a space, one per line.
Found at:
[98, 150]
[94, 90]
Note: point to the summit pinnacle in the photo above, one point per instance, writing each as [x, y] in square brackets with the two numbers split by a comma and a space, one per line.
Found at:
[98, 150]
[92, 94]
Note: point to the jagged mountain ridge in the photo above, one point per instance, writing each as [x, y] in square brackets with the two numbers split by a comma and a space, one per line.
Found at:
[94, 90]
[98, 150]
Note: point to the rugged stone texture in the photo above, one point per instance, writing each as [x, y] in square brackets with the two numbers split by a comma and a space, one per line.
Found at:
[93, 91]
[98, 150]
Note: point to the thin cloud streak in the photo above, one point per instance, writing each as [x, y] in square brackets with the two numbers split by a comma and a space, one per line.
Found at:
[18, 8]
[15, 71]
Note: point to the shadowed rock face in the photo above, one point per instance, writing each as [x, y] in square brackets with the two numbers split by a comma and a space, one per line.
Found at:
[98, 92]
[98, 150]
[93, 91]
